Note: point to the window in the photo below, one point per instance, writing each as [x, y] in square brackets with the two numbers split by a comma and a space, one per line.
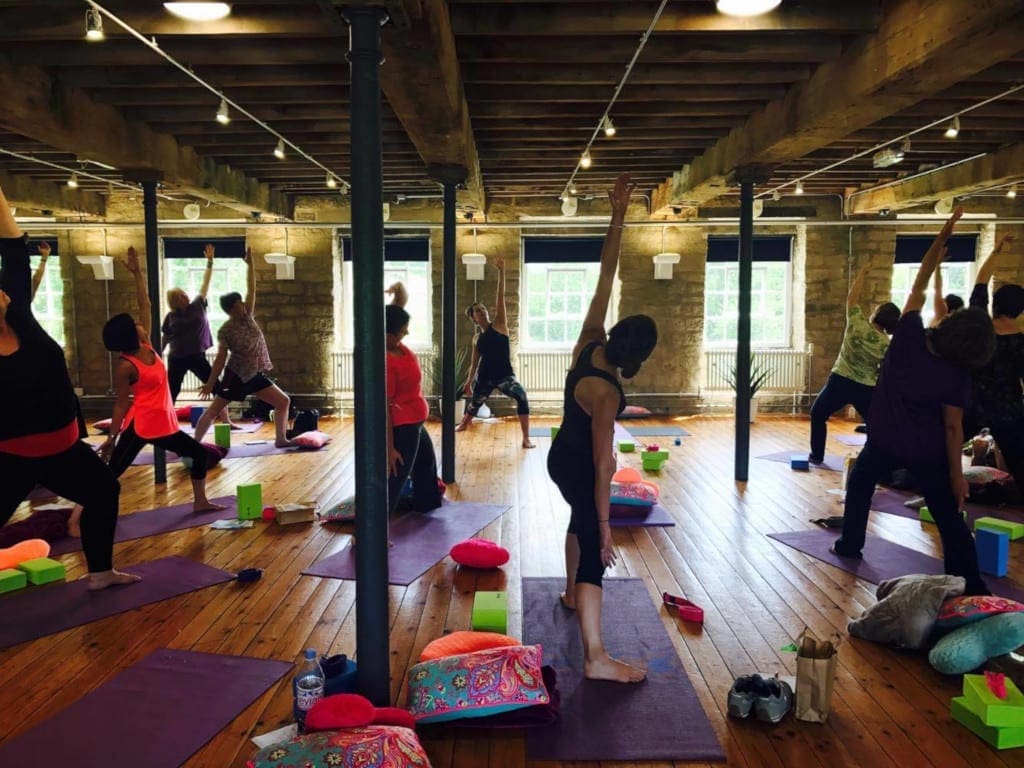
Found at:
[48, 304]
[405, 260]
[184, 266]
[769, 292]
[560, 275]
[957, 269]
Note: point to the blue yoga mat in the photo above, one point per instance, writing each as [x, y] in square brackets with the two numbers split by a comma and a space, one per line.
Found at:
[661, 430]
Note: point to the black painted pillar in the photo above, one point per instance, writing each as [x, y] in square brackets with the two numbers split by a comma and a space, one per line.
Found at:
[371, 466]
[153, 289]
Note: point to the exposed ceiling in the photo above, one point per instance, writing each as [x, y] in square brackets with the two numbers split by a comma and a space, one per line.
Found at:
[511, 91]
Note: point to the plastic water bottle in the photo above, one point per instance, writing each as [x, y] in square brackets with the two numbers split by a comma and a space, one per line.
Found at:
[307, 687]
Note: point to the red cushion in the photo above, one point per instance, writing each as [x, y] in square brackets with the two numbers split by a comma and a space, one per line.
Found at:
[344, 710]
[183, 412]
[479, 553]
[214, 453]
[312, 439]
[634, 412]
[464, 641]
[394, 716]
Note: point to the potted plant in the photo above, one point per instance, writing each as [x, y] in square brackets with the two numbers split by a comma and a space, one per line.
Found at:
[759, 375]
[432, 371]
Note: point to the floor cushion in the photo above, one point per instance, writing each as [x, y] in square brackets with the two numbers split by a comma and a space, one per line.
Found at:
[970, 646]
[343, 710]
[373, 746]
[905, 613]
[479, 553]
[627, 475]
[214, 454]
[313, 439]
[342, 512]
[477, 684]
[641, 494]
[183, 412]
[634, 412]
[464, 641]
[966, 609]
[393, 716]
[47, 524]
[537, 716]
[30, 549]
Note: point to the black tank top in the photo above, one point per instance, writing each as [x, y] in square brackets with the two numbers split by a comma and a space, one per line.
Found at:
[495, 356]
[576, 423]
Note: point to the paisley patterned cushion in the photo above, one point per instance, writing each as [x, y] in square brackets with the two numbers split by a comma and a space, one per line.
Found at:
[477, 684]
[374, 746]
[639, 494]
[966, 609]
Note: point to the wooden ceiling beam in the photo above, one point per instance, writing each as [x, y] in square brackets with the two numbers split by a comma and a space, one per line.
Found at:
[24, 191]
[999, 168]
[642, 74]
[422, 81]
[921, 47]
[513, 109]
[615, 18]
[193, 94]
[158, 76]
[531, 92]
[67, 119]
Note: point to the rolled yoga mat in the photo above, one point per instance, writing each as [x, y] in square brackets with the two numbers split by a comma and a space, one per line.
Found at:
[882, 560]
[660, 719]
[832, 462]
[151, 522]
[420, 541]
[156, 713]
[39, 611]
[658, 516]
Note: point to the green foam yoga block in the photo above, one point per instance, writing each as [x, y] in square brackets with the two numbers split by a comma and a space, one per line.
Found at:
[490, 612]
[554, 432]
[11, 579]
[42, 570]
[1010, 528]
[926, 517]
[250, 501]
[1000, 738]
[989, 708]
[222, 435]
[627, 447]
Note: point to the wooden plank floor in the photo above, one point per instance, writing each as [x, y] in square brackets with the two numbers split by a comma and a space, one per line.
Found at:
[889, 708]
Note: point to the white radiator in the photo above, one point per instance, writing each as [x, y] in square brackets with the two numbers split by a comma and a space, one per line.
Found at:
[343, 369]
[789, 369]
[543, 371]
[190, 384]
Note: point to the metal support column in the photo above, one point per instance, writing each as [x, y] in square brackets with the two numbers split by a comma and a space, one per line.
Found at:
[153, 289]
[370, 400]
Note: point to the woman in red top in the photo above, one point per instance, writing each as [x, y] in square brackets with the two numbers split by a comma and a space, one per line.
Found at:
[410, 450]
[151, 419]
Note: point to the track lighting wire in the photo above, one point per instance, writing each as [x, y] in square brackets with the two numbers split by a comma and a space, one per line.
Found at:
[78, 171]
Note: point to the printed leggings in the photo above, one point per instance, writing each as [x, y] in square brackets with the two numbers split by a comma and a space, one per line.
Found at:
[508, 386]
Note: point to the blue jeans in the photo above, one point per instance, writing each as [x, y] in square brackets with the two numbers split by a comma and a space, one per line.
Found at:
[838, 391]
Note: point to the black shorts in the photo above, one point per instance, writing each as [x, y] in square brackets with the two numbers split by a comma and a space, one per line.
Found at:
[230, 387]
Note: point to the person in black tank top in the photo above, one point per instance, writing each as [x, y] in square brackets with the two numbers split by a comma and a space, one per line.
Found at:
[581, 462]
[491, 367]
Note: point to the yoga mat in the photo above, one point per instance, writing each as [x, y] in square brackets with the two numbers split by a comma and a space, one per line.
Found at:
[852, 440]
[541, 431]
[156, 713]
[237, 451]
[891, 501]
[660, 719]
[151, 522]
[420, 541]
[39, 611]
[832, 462]
[662, 430]
[657, 516]
[882, 560]
[241, 427]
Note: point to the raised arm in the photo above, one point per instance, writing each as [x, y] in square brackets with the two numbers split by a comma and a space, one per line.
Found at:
[857, 285]
[250, 282]
[205, 287]
[399, 294]
[141, 294]
[206, 391]
[939, 306]
[988, 266]
[17, 280]
[915, 301]
[593, 323]
[37, 277]
[500, 318]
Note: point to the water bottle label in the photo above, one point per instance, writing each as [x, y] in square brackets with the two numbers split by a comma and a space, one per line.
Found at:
[306, 697]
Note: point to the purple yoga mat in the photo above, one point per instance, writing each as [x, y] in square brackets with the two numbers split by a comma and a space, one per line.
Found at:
[660, 719]
[832, 462]
[151, 522]
[658, 516]
[241, 427]
[156, 713]
[891, 502]
[39, 611]
[420, 541]
[853, 440]
[237, 451]
[882, 560]
[40, 494]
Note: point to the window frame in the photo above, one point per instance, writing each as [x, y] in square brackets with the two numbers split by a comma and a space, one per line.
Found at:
[52, 278]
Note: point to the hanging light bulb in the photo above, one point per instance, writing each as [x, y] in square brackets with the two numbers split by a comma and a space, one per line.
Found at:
[279, 149]
[223, 115]
[332, 182]
[73, 181]
[93, 26]
[585, 160]
[608, 126]
[953, 129]
[799, 189]
[746, 7]
[572, 189]
[1012, 191]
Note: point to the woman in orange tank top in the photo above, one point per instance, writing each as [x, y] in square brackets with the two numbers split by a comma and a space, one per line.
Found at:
[151, 418]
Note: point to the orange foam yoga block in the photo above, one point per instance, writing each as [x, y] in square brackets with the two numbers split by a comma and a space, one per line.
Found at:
[30, 549]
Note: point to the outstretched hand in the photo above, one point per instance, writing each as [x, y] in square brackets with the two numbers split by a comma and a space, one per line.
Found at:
[499, 263]
[208, 252]
[44, 248]
[132, 260]
[958, 213]
[620, 194]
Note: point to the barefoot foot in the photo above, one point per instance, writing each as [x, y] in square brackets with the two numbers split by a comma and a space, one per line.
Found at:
[607, 668]
[110, 578]
[205, 505]
[462, 427]
[528, 443]
[567, 602]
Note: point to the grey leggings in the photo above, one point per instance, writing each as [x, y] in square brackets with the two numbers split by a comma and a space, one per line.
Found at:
[507, 386]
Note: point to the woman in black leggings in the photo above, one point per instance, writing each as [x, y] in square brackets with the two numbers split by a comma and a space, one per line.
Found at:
[40, 433]
[581, 461]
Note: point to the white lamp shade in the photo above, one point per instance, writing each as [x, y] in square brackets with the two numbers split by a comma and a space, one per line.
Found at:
[475, 263]
[663, 263]
[285, 264]
[102, 266]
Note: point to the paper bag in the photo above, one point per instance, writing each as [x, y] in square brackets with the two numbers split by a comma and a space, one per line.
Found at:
[815, 676]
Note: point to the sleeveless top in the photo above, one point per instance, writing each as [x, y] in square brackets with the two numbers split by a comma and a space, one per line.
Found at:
[576, 423]
[495, 356]
[152, 411]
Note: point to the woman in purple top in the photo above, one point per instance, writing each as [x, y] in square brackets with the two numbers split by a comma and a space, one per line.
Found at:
[916, 420]
[186, 331]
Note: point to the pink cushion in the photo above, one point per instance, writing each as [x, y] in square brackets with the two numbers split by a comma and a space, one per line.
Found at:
[966, 609]
[394, 716]
[312, 439]
[642, 494]
[214, 453]
[343, 710]
[103, 425]
[465, 641]
[634, 412]
[627, 475]
[387, 746]
[183, 412]
[479, 553]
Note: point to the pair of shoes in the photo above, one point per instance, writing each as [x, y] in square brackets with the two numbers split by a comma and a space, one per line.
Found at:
[768, 697]
[688, 611]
